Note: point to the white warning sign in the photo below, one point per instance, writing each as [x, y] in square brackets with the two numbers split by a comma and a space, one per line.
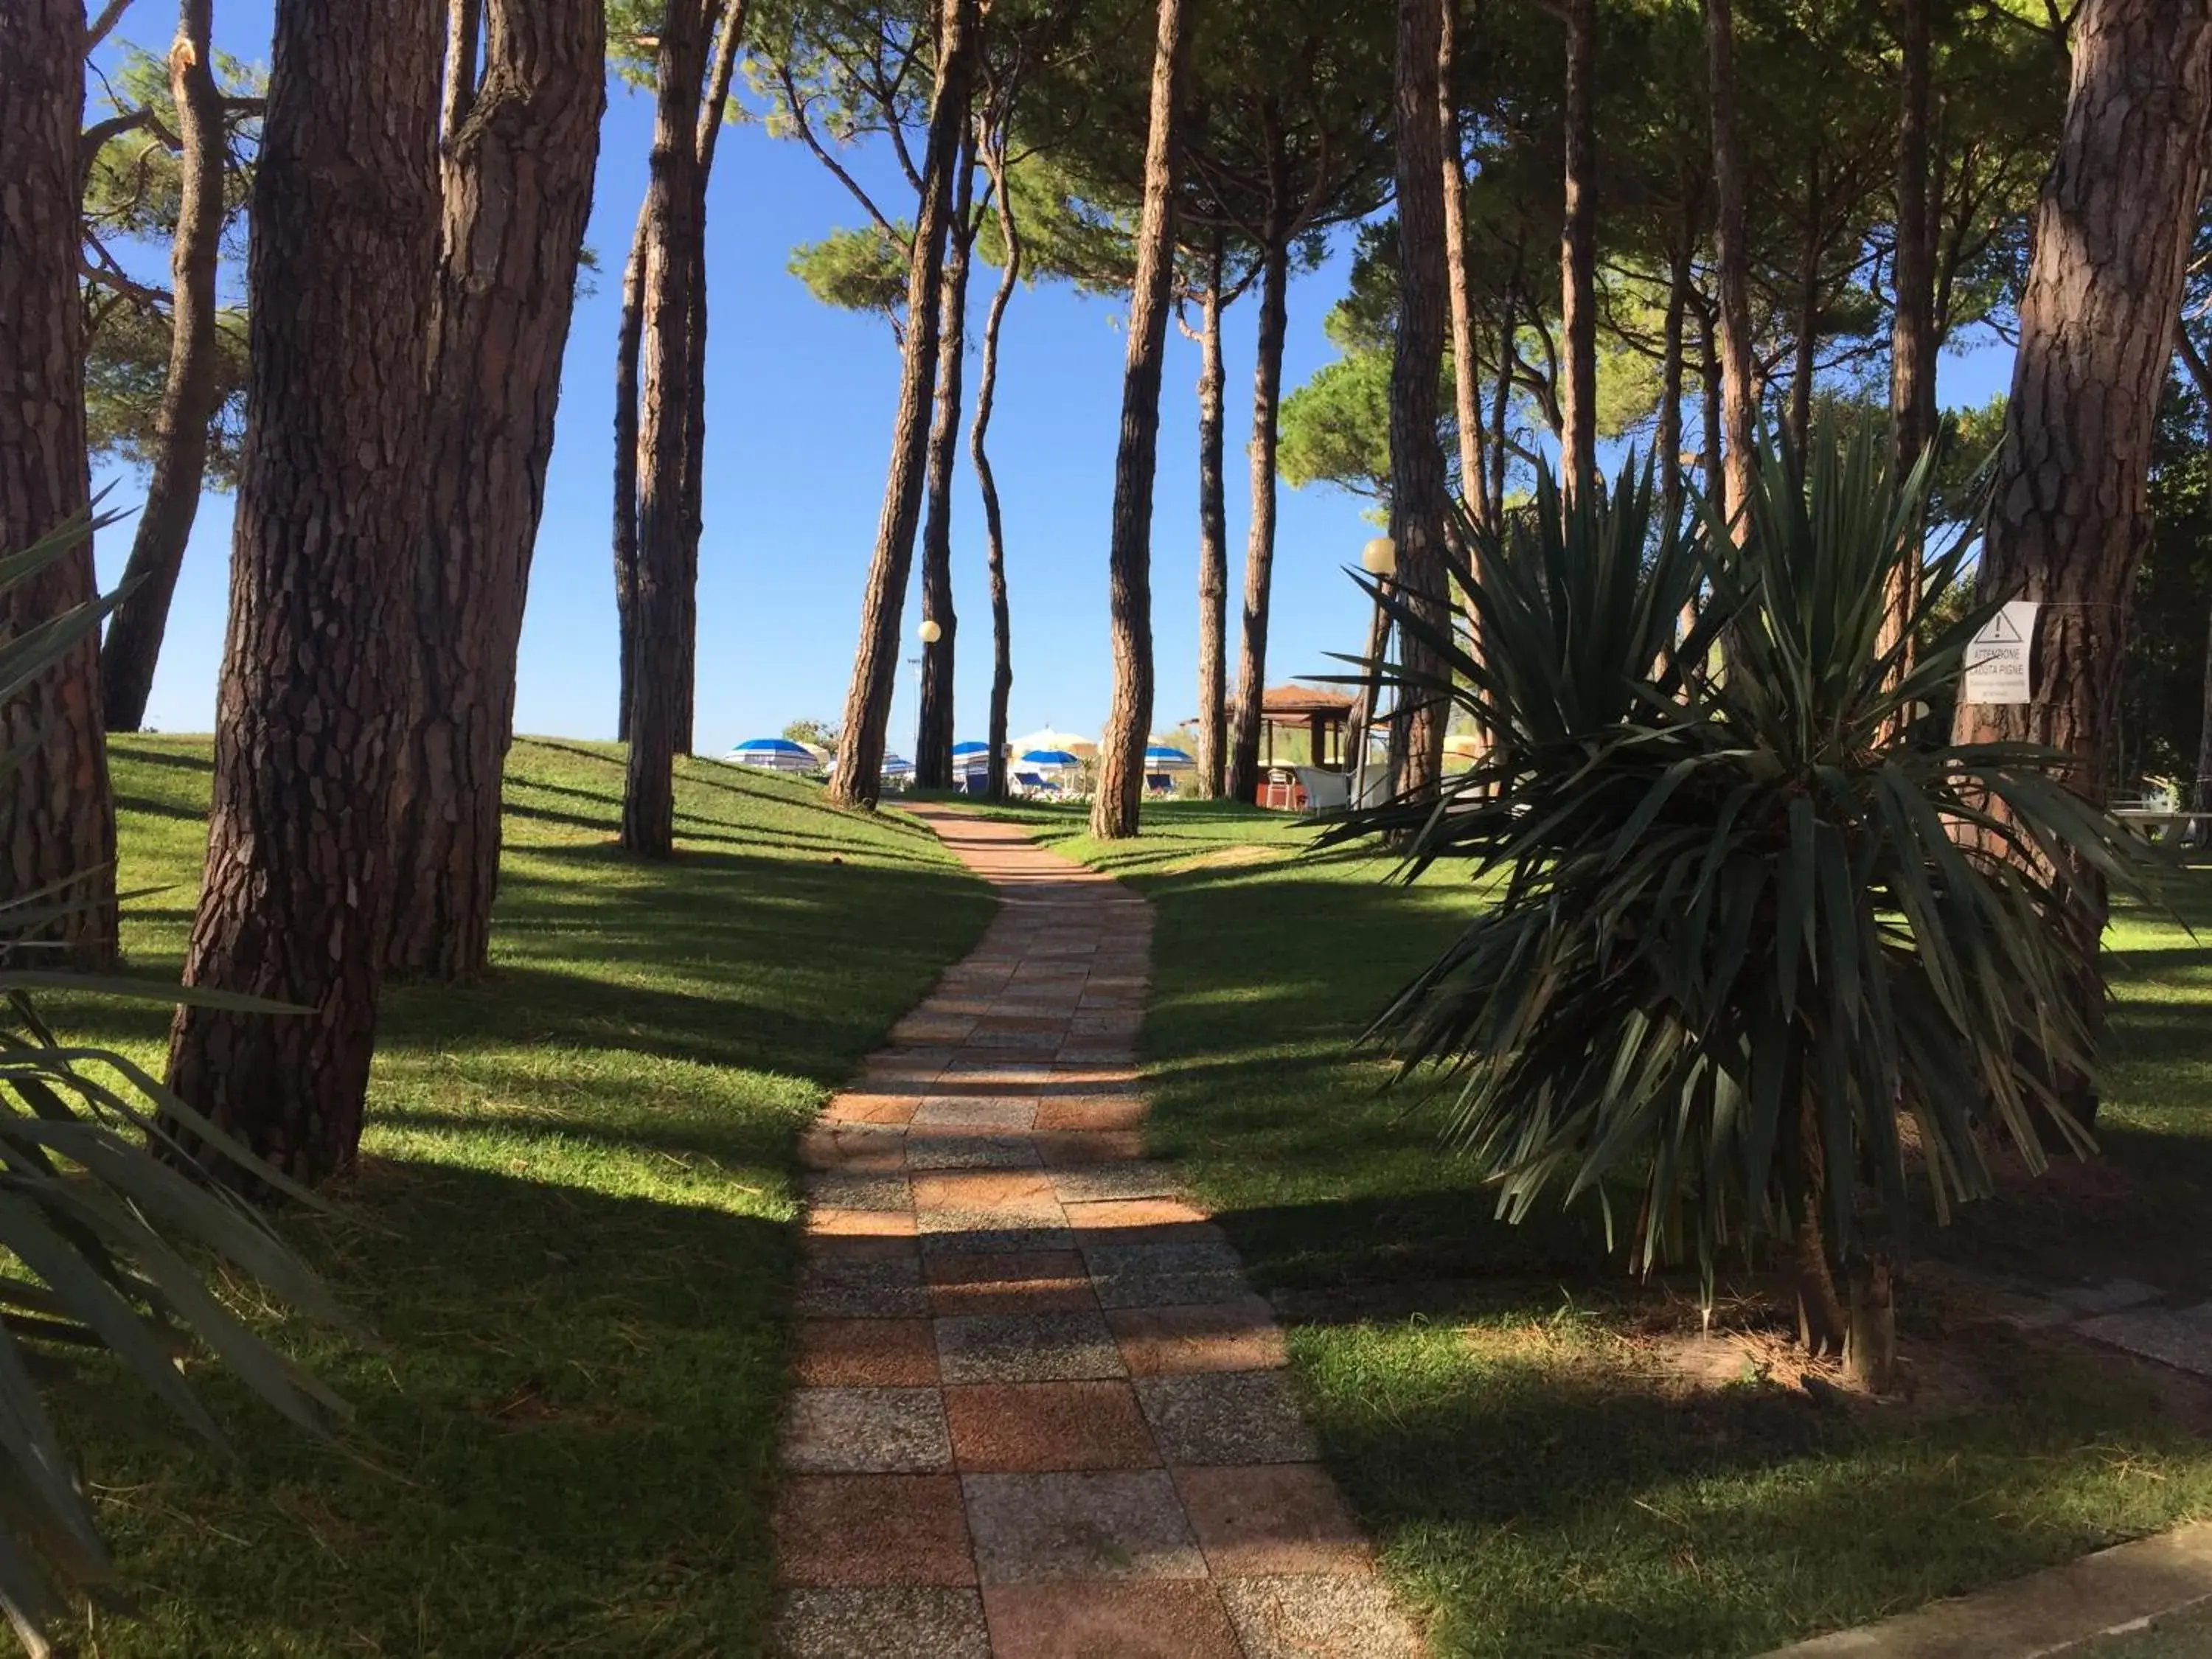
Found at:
[1997, 661]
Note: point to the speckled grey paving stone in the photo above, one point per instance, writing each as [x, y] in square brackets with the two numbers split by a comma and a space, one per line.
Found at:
[836, 1288]
[1192, 1256]
[1226, 1417]
[866, 1431]
[1317, 1616]
[847, 1190]
[1045, 1347]
[1010, 1115]
[881, 1622]
[1136, 1178]
[977, 1237]
[940, 1149]
[1170, 1290]
[2157, 1333]
[2113, 1296]
[1029, 1528]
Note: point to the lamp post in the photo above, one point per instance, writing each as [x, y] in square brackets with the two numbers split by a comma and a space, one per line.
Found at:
[1379, 559]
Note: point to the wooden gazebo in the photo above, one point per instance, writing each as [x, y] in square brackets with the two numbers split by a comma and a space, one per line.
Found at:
[1319, 713]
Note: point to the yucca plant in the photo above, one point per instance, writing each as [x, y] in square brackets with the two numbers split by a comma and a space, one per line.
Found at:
[1763, 946]
[110, 1241]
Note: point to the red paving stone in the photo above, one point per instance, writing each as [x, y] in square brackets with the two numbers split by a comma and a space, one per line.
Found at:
[1109, 1620]
[1006, 1114]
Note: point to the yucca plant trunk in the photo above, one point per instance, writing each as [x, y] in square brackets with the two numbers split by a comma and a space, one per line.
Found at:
[57, 815]
[2070, 515]
[859, 776]
[331, 515]
[517, 173]
[1212, 545]
[934, 735]
[132, 647]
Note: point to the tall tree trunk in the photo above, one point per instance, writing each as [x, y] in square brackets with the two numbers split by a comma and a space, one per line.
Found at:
[1417, 470]
[1501, 405]
[1709, 405]
[1260, 541]
[1466, 372]
[517, 193]
[859, 776]
[133, 645]
[629, 343]
[1669, 440]
[1578, 255]
[1114, 804]
[57, 816]
[1739, 395]
[671, 267]
[1212, 544]
[331, 515]
[1912, 328]
[714, 107]
[1912, 331]
[934, 732]
[993, 148]
[2069, 518]
[1808, 311]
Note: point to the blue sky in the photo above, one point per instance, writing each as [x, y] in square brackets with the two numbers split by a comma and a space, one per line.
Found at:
[799, 413]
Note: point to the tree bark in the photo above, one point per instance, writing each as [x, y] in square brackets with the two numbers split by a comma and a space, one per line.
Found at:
[993, 149]
[1501, 405]
[1417, 470]
[1467, 373]
[1113, 807]
[671, 267]
[629, 344]
[1739, 397]
[1807, 342]
[2069, 517]
[1578, 256]
[933, 733]
[1212, 544]
[1709, 408]
[713, 106]
[1912, 327]
[1912, 330]
[133, 644]
[1260, 540]
[518, 177]
[859, 776]
[1669, 439]
[56, 815]
[331, 515]
[464, 40]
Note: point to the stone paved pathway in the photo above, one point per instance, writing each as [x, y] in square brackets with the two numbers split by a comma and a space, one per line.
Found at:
[1041, 1415]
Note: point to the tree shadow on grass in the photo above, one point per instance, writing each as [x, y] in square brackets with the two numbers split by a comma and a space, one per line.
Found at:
[564, 1442]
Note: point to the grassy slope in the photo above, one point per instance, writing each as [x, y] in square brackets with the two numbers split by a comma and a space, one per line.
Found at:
[570, 1232]
[1537, 1482]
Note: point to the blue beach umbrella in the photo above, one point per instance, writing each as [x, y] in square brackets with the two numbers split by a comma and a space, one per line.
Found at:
[1166, 757]
[972, 750]
[1048, 757]
[895, 766]
[777, 754]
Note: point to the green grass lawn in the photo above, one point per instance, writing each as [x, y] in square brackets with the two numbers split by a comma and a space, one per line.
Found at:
[1512, 1418]
[571, 1233]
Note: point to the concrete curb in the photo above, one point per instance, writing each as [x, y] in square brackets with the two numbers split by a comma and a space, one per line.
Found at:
[2048, 1613]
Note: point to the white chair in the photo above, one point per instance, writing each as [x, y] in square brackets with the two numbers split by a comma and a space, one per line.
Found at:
[1326, 791]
